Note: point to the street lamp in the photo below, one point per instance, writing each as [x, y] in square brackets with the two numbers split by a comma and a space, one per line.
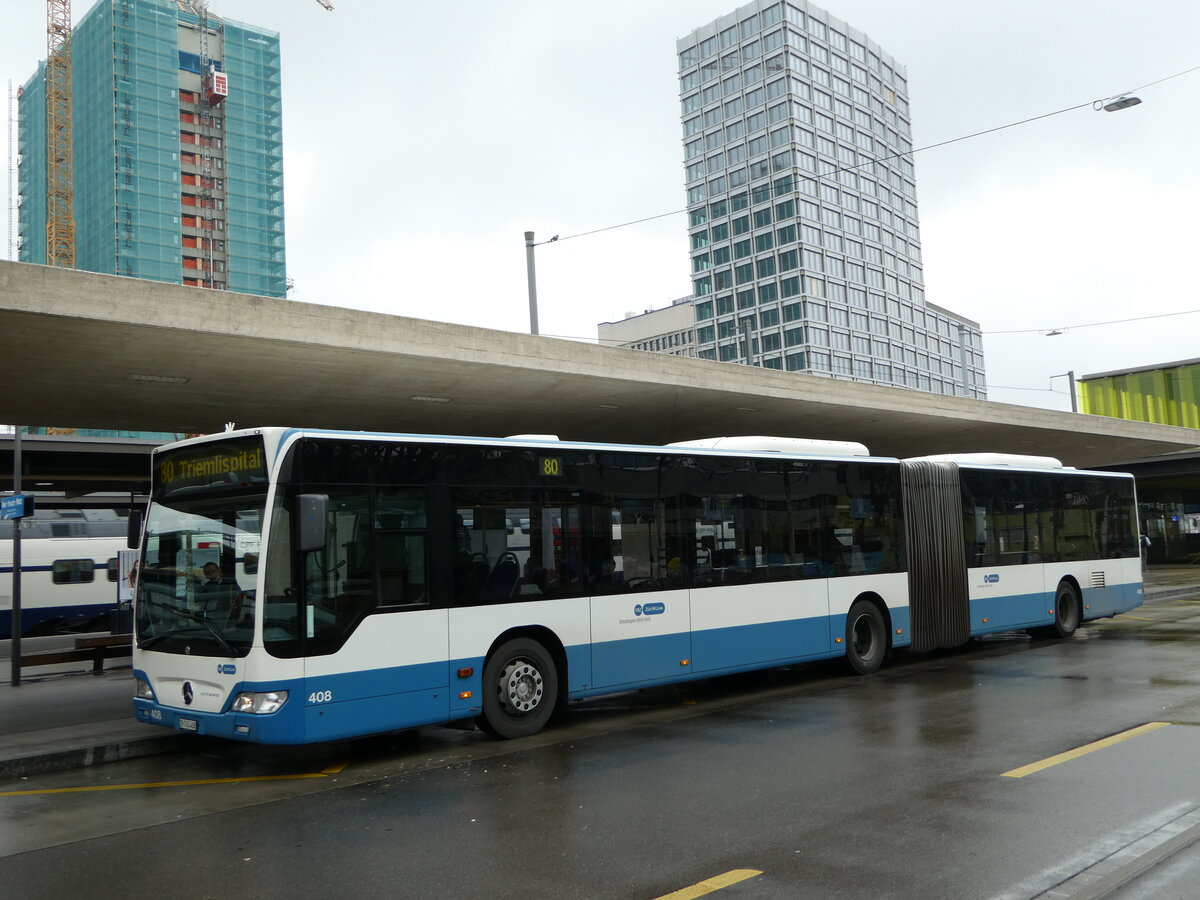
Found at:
[531, 277]
[1070, 376]
[1112, 104]
[1118, 103]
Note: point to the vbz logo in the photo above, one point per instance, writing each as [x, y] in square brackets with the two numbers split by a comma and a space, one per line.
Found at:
[991, 579]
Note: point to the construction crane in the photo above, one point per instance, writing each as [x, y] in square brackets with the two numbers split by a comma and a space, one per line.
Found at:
[326, 4]
[60, 166]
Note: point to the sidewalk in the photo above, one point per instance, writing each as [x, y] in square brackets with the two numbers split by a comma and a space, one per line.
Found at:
[69, 719]
[62, 717]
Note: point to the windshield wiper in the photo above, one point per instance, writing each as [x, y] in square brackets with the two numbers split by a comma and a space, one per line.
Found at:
[193, 617]
[155, 640]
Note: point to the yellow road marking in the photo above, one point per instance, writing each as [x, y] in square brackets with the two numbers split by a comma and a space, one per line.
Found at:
[1137, 619]
[1084, 750]
[328, 770]
[708, 885]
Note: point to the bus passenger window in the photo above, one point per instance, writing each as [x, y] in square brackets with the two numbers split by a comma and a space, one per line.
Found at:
[338, 585]
[492, 562]
[402, 580]
[516, 545]
[651, 558]
[400, 561]
[601, 546]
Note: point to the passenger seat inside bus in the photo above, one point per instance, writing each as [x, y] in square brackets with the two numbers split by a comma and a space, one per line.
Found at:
[502, 580]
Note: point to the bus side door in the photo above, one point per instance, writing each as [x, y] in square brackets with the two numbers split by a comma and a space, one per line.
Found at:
[641, 611]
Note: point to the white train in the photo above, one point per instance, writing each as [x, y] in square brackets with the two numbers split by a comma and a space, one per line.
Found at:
[69, 570]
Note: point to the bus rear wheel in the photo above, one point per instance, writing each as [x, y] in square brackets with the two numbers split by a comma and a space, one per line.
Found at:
[520, 689]
[1066, 613]
[866, 637]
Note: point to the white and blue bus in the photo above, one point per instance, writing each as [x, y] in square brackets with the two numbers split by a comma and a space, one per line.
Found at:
[305, 585]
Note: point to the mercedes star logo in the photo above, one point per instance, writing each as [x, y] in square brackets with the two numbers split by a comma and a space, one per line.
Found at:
[187, 693]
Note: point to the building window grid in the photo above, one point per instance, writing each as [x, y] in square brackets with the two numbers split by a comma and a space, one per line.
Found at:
[886, 175]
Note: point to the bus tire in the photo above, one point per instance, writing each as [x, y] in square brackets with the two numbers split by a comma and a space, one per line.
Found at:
[1066, 613]
[520, 689]
[866, 637]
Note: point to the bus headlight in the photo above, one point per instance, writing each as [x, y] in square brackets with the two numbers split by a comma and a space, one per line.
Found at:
[259, 704]
[142, 689]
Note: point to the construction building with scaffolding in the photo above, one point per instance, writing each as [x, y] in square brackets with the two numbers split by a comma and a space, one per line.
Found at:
[177, 169]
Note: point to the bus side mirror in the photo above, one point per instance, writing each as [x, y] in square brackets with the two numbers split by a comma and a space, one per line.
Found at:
[134, 534]
[311, 513]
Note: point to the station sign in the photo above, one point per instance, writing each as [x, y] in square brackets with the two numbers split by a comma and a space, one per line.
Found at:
[17, 506]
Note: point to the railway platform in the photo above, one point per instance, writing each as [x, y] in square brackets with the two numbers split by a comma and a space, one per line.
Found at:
[66, 717]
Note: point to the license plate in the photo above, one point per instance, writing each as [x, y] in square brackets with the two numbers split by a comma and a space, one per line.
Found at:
[188, 724]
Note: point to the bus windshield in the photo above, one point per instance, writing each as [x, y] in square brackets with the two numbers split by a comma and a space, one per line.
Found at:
[195, 592]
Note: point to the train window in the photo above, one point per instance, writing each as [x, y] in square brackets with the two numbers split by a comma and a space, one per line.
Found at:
[74, 571]
[114, 573]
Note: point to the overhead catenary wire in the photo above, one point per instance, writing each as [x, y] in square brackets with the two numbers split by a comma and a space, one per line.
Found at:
[1062, 328]
[840, 169]
[836, 171]
[1010, 387]
[1159, 81]
[1065, 328]
[905, 153]
[617, 344]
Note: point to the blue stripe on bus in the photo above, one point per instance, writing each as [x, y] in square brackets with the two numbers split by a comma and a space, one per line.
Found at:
[1016, 611]
[901, 626]
[1110, 600]
[1011, 611]
[358, 705]
[373, 701]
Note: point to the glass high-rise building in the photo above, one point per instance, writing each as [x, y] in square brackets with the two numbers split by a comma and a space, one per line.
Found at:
[178, 154]
[805, 246]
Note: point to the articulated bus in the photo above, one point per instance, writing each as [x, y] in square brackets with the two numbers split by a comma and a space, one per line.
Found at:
[407, 580]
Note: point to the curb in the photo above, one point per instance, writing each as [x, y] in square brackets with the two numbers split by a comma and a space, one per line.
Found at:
[101, 750]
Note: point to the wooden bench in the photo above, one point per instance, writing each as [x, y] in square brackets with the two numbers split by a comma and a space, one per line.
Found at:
[95, 649]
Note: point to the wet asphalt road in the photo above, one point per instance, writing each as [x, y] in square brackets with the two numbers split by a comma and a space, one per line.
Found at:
[828, 785]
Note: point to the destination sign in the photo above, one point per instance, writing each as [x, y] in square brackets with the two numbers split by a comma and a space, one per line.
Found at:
[240, 462]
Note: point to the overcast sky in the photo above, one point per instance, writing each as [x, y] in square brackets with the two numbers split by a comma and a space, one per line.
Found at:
[421, 140]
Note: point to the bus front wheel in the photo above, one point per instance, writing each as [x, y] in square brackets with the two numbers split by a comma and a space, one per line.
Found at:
[520, 689]
[866, 637]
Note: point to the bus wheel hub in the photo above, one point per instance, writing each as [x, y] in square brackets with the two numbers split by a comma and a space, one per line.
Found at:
[520, 686]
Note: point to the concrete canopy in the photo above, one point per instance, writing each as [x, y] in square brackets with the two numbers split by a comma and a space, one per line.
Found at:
[100, 351]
